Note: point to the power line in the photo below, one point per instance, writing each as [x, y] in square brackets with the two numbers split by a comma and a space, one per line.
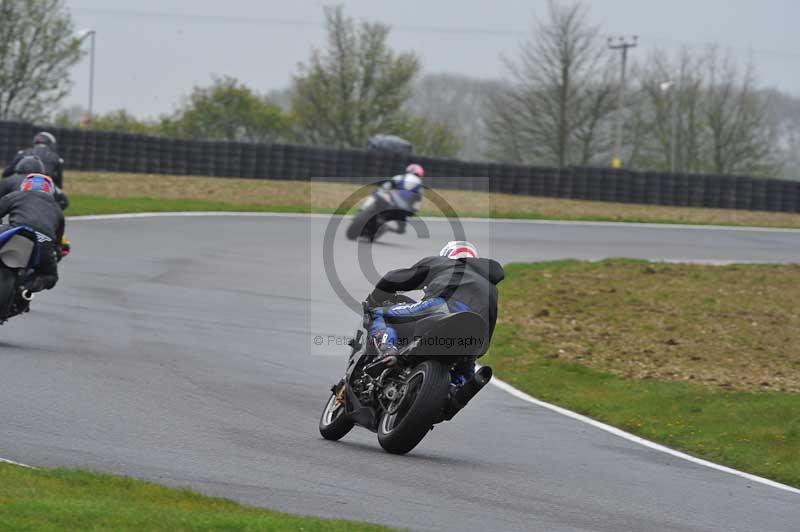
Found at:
[698, 44]
[296, 22]
[447, 30]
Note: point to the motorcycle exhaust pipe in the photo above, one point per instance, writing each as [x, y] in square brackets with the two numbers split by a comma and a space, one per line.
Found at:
[469, 390]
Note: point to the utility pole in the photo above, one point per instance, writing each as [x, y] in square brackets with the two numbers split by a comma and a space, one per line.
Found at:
[668, 88]
[91, 80]
[622, 45]
[81, 35]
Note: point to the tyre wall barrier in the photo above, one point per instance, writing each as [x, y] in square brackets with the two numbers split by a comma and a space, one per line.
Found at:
[91, 150]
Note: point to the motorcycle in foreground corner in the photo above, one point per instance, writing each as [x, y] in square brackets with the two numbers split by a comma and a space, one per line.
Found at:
[378, 209]
[19, 255]
[402, 402]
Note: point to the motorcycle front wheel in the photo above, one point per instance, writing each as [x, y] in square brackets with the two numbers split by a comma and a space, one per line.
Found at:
[359, 223]
[424, 395]
[334, 423]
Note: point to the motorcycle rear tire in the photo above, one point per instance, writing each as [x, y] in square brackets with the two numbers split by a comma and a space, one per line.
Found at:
[421, 414]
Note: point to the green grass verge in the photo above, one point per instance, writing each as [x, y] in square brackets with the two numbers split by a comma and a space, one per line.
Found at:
[62, 499]
[81, 205]
[115, 192]
[758, 432]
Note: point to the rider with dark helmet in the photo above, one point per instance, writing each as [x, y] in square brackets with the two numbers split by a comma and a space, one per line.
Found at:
[455, 281]
[29, 164]
[33, 205]
[44, 147]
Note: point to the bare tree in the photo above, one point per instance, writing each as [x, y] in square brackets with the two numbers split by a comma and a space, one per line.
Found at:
[561, 94]
[721, 119]
[741, 139]
[650, 138]
[37, 49]
[354, 88]
[784, 111]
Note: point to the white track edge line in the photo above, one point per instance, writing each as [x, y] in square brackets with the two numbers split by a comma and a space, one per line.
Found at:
[497, 382]
[636, 439]
[12, 462]
[696, 227]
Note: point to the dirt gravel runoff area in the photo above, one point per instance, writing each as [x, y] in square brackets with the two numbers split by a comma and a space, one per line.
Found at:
[305, 196]
[733, 327]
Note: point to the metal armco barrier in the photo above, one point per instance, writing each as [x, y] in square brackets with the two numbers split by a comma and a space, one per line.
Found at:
[127, 152]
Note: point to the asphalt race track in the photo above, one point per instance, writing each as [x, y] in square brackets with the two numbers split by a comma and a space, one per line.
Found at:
[182, 350]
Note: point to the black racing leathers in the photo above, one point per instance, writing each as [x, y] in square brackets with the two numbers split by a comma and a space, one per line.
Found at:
[469, 281]
[39, 211]
[11, 184]
[53, 163]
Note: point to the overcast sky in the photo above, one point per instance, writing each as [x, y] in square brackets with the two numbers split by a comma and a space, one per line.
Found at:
[151, 52]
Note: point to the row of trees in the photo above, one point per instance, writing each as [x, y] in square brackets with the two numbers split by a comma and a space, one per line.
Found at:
[701, 112]
[698, 112]
[353, 88]
[226, 110]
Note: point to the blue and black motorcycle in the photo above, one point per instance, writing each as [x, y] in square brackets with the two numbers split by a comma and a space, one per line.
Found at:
[19, 254]
[403, 401]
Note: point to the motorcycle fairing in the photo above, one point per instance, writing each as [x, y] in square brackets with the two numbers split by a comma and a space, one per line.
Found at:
[19, 247]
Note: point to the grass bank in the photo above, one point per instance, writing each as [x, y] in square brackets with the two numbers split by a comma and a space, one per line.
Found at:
[77, 500]
[700, 358]
[104, 193]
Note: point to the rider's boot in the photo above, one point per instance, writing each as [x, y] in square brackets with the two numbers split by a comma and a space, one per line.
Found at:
[385, 342]
[387, 353]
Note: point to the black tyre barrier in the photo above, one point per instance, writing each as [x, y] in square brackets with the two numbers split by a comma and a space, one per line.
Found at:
[93, 150]
[624, 186]
[758, 195]
[697, 190]
[638, 186]
[743, 192]
[774, 193]
[564, 183]
[580, 183]
[652, 188]
[789, 197]
[667, 187]
[712, 191]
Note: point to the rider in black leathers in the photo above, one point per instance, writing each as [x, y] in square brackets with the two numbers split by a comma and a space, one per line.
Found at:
[44, 147]
[457, 280]
[34, 206]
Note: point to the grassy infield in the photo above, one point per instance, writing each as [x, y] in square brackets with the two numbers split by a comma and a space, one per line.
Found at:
[77, 500]
[700, 358]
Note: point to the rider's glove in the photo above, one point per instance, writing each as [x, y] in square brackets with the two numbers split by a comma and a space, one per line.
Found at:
[378, 298]
[372, 302]
[65, 247]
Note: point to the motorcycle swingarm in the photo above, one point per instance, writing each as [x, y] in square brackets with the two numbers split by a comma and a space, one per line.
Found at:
[364, 416]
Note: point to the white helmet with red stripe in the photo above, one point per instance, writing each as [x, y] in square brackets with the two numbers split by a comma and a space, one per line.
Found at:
[459, 249]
